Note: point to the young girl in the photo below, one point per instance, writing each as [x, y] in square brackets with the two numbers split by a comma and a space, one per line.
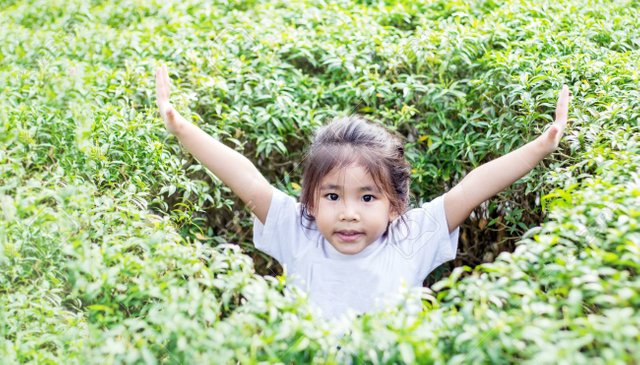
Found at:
[351, 241]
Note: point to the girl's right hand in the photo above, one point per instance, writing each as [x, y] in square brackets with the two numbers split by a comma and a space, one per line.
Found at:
[172, 119]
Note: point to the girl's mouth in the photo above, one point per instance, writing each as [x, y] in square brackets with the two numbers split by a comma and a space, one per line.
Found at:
[349, 236]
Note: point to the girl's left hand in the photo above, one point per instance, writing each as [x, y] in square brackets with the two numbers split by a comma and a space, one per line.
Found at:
[173, 121]
[550, 139]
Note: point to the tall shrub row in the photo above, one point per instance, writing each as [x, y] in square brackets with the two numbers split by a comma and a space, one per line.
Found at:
[116, 246]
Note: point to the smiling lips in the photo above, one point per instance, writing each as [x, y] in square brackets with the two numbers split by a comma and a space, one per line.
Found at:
[349, 236]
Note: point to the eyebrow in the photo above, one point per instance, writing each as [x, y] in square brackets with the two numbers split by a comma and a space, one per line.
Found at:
[339, 187]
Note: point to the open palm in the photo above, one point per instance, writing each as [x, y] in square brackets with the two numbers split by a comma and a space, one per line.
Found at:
[172, 119]
[551, 137]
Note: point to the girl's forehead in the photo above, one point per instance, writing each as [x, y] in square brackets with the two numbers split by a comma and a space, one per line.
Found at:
[352, 171]
[352, 176]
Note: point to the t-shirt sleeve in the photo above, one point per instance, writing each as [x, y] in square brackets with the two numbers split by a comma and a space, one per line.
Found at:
[425, 240]
[281, 236]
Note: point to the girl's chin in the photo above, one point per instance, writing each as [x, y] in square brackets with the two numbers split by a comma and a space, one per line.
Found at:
[349, 248]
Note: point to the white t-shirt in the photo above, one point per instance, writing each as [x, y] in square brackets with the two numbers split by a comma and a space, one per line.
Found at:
[370, 279]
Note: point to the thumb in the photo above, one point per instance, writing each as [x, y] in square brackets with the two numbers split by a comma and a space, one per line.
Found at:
[172, 119]
[171, 113]
[165, 109]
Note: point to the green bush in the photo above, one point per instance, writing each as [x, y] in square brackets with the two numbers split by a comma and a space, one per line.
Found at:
[116, 246]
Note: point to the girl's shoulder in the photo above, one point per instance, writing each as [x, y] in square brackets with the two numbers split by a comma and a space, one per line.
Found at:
[416, 223]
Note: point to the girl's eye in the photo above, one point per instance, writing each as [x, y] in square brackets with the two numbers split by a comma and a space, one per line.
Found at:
[332, 196]
[368, 198]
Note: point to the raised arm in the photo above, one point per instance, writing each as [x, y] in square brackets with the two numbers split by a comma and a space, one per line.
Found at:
[489, 179]
[235, 170]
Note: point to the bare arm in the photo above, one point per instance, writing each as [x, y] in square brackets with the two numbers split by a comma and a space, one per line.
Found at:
[489, 179]
[235, 170]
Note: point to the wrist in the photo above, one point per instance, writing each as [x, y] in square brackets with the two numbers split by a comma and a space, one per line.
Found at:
[175, 123]
[179, 128]
[541, 147]
[539, 150]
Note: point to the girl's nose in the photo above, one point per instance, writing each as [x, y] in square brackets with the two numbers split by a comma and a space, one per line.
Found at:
[349, 213]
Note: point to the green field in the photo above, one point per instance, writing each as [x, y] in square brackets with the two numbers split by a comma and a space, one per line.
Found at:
[116, 246]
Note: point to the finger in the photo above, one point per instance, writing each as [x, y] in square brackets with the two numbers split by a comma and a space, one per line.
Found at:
[162, 75]
[553, 131]
[563, 106]
[158, 86]
[563, 103]
[168, 83]
[162, 79]
[166, 78]
[164, 83]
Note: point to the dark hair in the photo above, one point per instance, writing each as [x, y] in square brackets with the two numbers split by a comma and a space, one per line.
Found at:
[354, 139]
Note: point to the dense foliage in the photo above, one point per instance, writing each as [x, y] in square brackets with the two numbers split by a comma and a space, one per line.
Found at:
[116, 246]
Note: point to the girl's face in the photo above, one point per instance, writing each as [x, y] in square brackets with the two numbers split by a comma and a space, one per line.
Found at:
[350, 211]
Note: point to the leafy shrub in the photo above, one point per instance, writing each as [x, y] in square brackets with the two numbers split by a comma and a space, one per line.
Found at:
[115, 243]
